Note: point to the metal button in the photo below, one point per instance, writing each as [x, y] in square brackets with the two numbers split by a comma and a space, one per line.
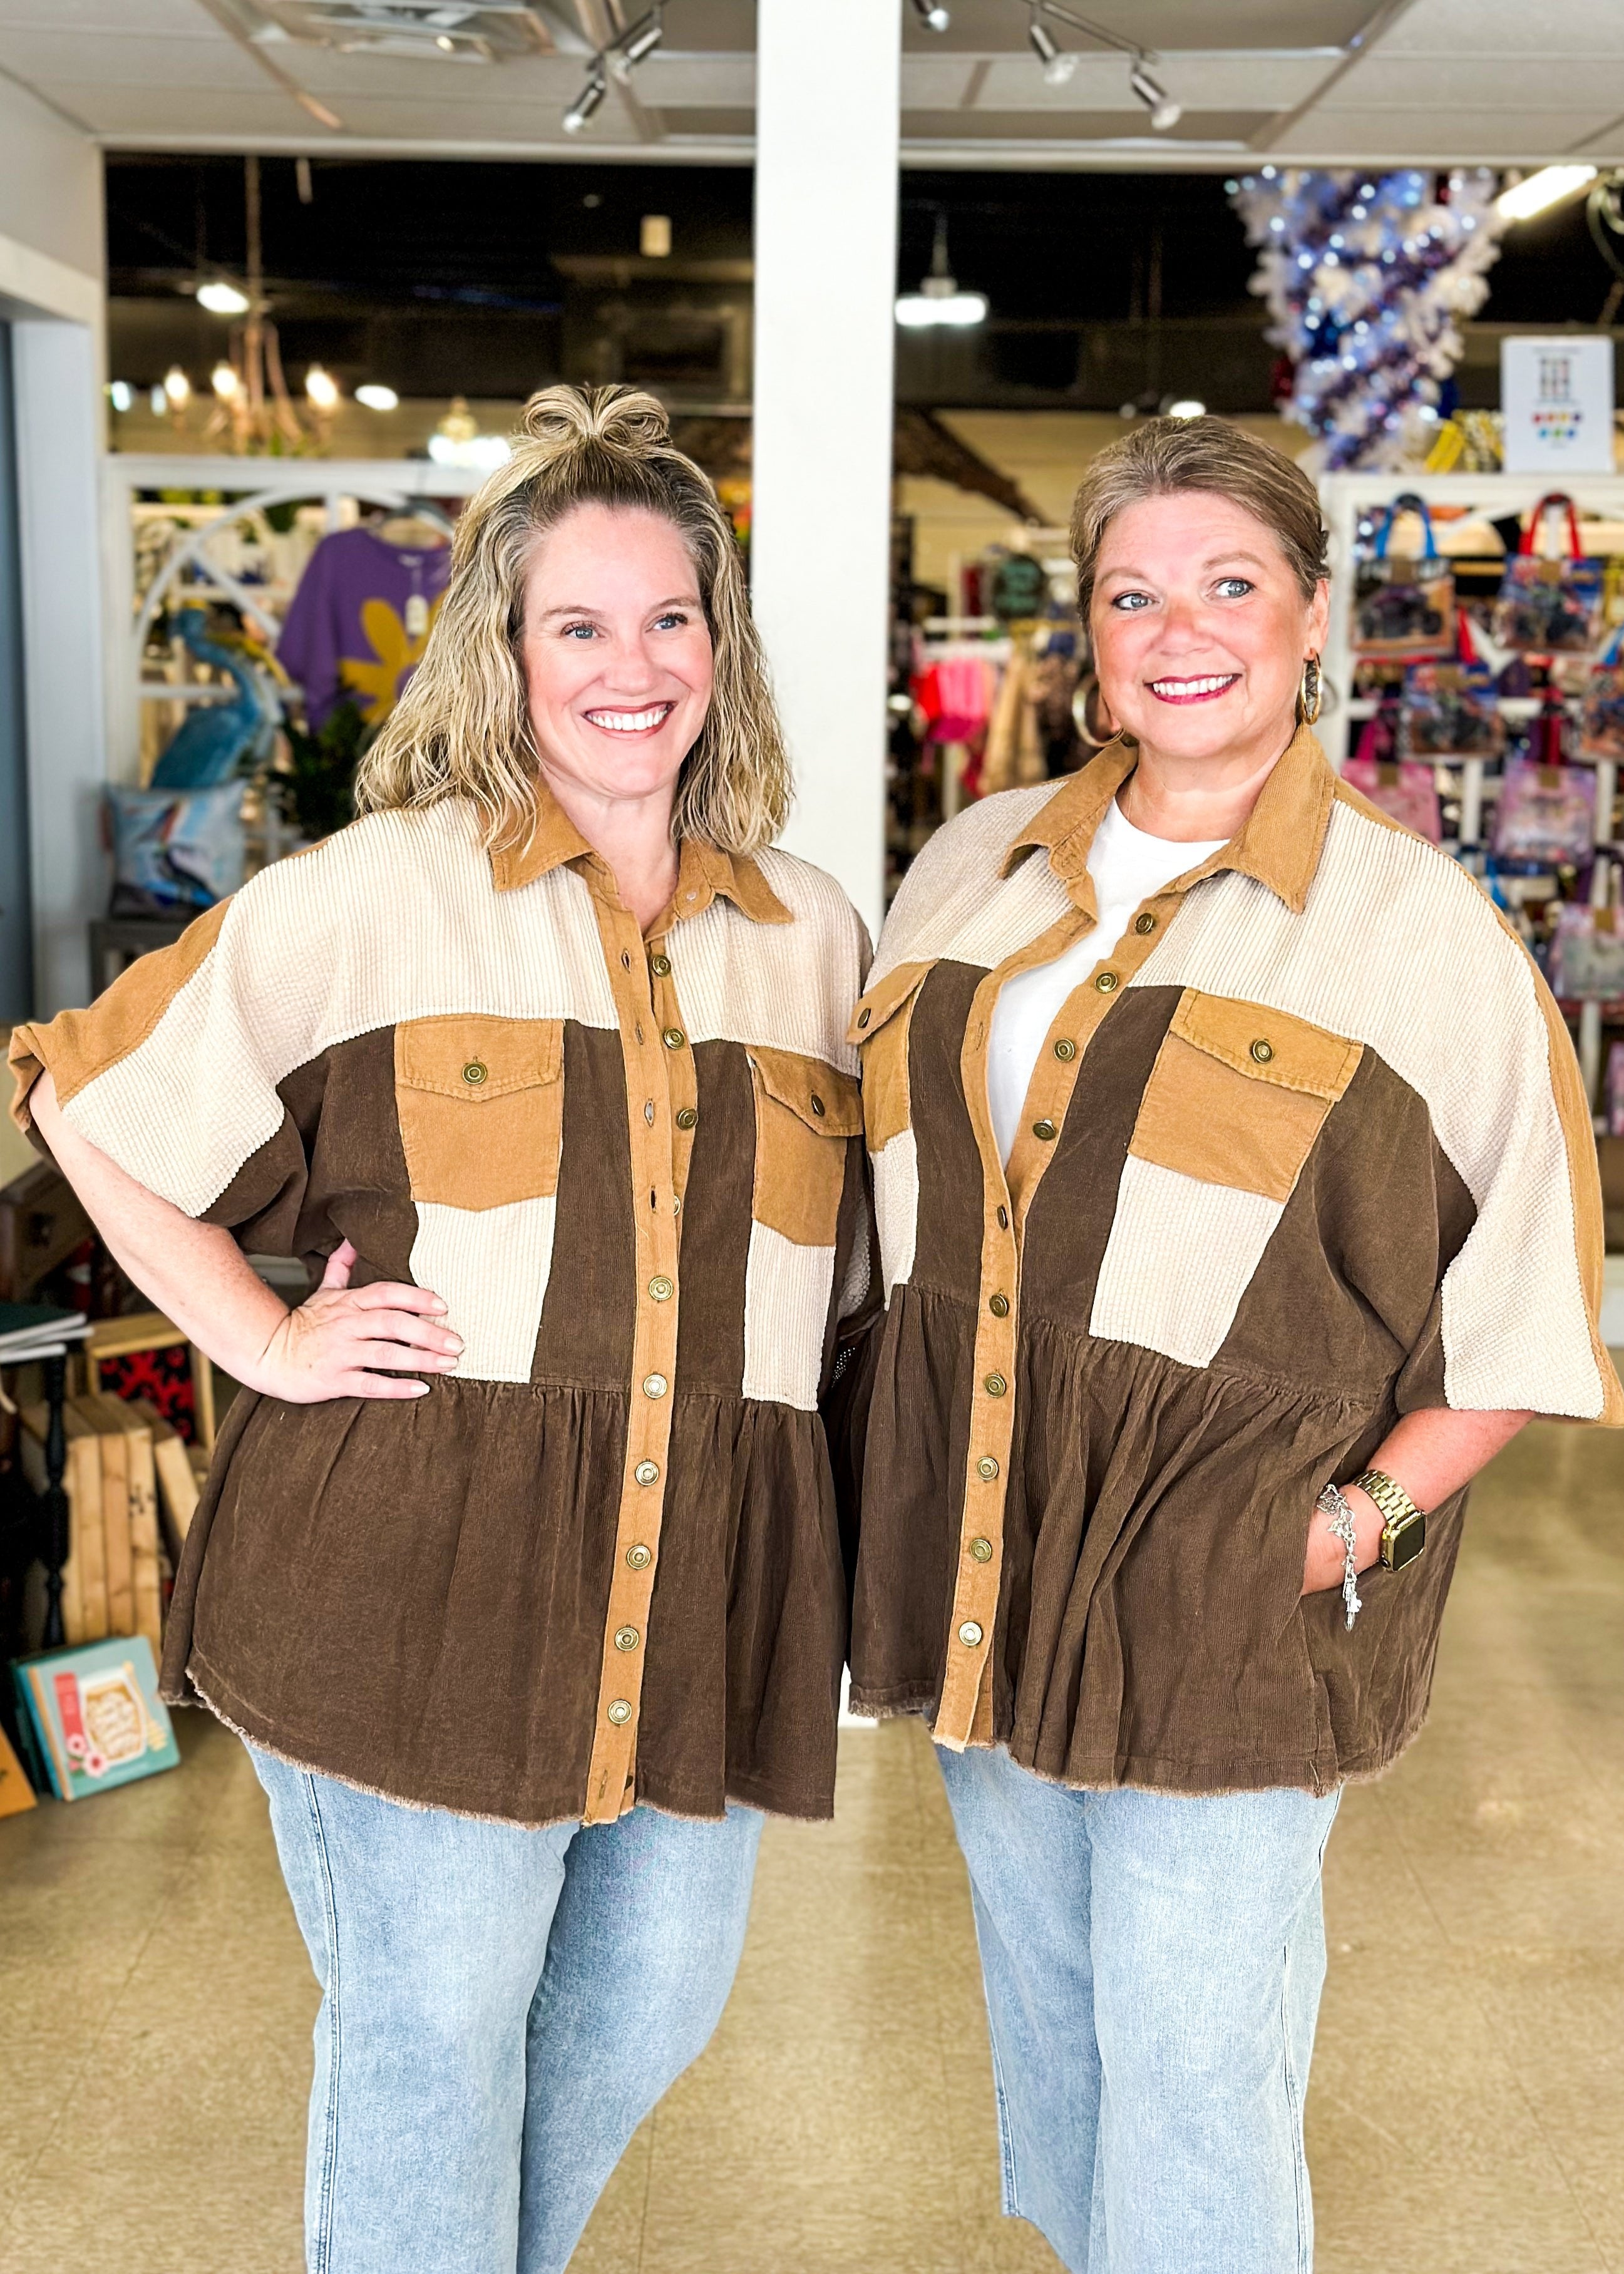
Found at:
[981, 1549]
[1262, 1051]
[648, 1111]
[1044, 1129]
[1145, 925]
[626, 1638]
[996, 1385]
[969, 1634]
[1065, 1049]
[999, 1305]
[640, 1557]
[475, 1071]
[1107, 982]
[647, 1472]
[660, 966]
[1003, 1219]
[655, 1385]
[687, 1117]
[987, 1468]
[620, 1711]
[817, 1104]
[674, 1038]
[661, 1288]
[863, 1018]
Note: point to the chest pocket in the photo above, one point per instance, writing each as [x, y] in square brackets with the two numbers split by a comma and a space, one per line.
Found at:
[481, 1107]
[1238, 1094]
[803, 1111]
[880, 1028]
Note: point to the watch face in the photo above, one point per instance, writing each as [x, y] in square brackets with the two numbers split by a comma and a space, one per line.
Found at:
[1405, 1542]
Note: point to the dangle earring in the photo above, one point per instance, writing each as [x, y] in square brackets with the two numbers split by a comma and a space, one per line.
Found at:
[1311, 693]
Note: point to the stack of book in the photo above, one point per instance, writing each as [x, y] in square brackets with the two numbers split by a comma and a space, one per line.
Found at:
[131, 1493]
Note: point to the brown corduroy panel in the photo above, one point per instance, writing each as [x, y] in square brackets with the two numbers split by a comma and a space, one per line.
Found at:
[716, 1223]
[948, 1254]
[585, 1335]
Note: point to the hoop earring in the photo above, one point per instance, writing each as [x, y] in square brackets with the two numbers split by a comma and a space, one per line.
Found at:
[1310, 694]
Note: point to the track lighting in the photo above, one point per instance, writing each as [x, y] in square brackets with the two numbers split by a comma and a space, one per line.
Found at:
[1057, 66]
[589, 99]
[645, 36]
[932, 15]
[1164, 112]
[222, 299]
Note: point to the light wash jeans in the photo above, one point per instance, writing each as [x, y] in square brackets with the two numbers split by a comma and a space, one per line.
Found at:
[500, 2008]
[1152, 1967]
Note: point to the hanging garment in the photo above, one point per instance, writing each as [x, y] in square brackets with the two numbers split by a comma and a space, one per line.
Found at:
[359, 623]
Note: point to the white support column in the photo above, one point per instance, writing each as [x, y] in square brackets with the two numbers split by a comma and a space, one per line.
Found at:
[827, 124]
[57, 385]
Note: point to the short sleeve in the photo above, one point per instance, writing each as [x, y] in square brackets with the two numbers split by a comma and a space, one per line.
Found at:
[1516, 1324]
[177, 1071]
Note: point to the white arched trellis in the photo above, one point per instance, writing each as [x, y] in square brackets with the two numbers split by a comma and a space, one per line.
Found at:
[399, 485]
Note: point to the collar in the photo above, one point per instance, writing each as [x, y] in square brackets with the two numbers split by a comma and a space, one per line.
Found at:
[1279, 843]
[703, 872]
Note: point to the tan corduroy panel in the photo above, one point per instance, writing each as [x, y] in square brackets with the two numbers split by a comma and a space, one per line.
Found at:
[804, 1111]
[481, 1108]
[85, 1043]
[1238, 1094]
[648, 1050]
[880, 1027]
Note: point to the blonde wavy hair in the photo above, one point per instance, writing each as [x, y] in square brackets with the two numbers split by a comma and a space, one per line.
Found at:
[461, 728]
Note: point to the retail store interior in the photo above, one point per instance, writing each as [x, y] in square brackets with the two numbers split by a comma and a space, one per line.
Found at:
[275, 282]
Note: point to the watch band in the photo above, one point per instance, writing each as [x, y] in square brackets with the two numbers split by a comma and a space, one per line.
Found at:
[1403, 1524]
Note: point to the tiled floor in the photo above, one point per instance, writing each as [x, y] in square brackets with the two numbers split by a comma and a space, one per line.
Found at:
[1467, 2114]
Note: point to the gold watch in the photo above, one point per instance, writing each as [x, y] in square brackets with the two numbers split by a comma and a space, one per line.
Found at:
[1403, 1526]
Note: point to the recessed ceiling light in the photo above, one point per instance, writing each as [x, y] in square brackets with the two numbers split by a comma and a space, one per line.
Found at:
[373, 398]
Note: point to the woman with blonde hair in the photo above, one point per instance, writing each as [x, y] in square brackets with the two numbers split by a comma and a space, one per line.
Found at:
[518, 1567]
[1238, 1200]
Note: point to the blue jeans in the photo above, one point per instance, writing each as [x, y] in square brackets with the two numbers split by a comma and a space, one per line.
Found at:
[500, 2008]
[1152, 1967]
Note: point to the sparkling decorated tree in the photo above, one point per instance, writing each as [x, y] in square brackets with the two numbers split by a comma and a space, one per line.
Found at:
[1368, 277]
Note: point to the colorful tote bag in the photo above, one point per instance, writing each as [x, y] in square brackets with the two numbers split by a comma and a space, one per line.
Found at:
[1403, 791]
[1403, 610]
[1549, 606]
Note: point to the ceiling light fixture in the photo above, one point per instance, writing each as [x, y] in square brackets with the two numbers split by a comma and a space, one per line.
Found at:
[120, 394]
[373, 398]
[1542, 191]
[222, 299]
[644, 37]
[932, 15]
[1164, 112]
[590, 99]
[938, 300]
[224, 381]
[1058, 68]
[321, 387]
[177, 387]
[1188, 406]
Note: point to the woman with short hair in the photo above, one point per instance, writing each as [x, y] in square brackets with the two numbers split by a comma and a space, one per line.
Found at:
[1237, 1200]
[518, 1567]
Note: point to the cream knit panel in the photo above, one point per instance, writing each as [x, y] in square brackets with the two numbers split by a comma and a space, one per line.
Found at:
[953, 902]
[896, 1205]
[392, 919]
[1399, 949]
[787, 1293]
[1180, 1257]
[783, 987]
[491, 1268]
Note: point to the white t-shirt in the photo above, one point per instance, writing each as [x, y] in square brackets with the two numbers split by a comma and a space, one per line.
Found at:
[1127, 867]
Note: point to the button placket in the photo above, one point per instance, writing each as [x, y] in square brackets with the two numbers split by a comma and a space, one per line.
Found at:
[681, 1074]
[650, 1068]
[964, 1710]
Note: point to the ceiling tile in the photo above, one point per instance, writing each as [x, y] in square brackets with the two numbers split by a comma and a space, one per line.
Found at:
[62, 59]
[133, 114]
[1494, 136]
[1079, 126]
[1511, 27]
[1481, 83]
[1207, 81]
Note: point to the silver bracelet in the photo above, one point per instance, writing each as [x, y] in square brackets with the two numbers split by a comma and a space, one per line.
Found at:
[1339, 1516]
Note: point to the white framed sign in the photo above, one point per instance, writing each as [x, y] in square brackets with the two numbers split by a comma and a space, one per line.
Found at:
[1557, 397]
